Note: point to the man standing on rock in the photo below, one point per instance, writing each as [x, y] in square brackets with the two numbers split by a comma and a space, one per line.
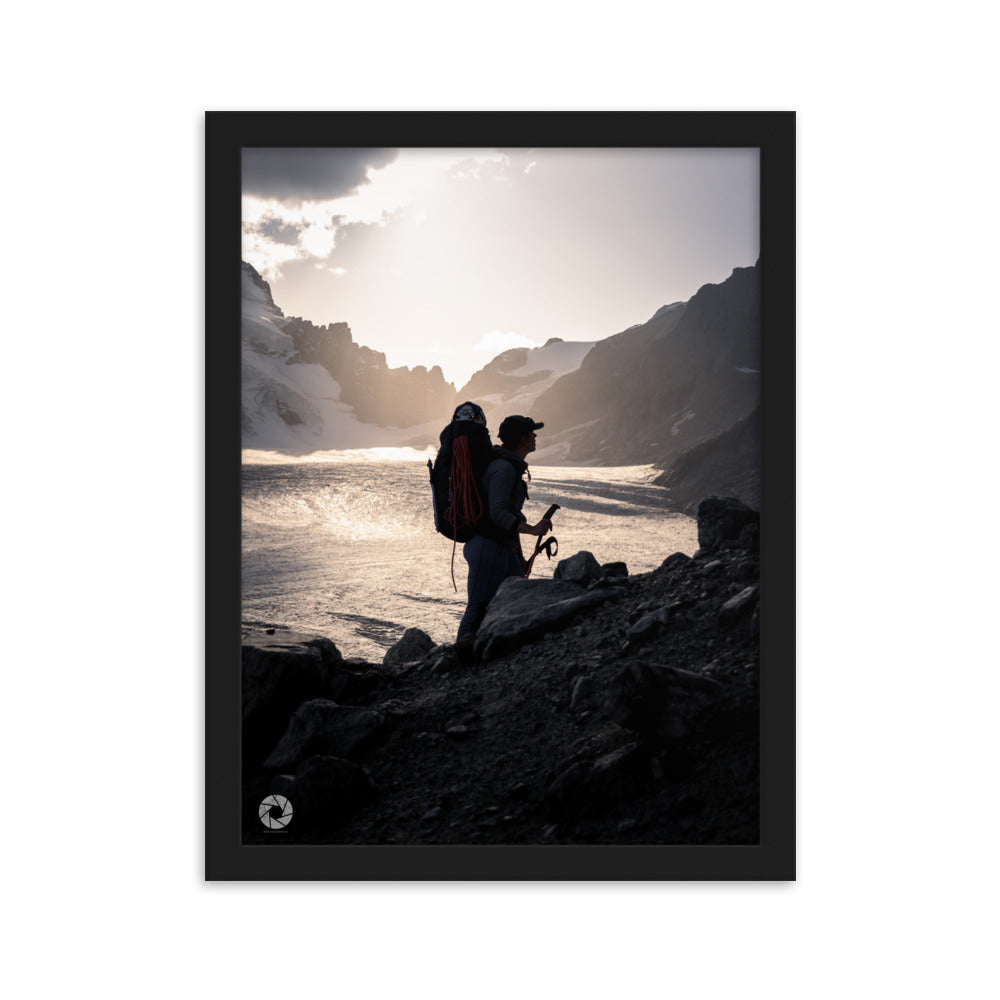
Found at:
[494, 552]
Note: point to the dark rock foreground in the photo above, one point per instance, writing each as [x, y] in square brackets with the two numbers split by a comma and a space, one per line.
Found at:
[620, 710]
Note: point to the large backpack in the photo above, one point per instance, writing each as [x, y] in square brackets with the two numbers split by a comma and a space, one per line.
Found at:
[457, 474]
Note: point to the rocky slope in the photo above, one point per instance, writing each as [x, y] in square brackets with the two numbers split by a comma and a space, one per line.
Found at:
[656, 390]
[596, 707]
[728, 463]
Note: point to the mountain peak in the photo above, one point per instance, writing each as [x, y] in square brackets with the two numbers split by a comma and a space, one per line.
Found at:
[255, 287]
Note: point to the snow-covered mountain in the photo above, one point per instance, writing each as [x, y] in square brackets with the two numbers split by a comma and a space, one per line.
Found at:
[512, 382]
[309, 388]
[293, 402]
[687, 380]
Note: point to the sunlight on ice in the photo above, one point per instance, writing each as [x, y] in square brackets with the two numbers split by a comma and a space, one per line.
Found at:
[261, 457]
[343, 543]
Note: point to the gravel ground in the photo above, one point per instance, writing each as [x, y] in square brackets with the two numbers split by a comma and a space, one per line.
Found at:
[636, 723]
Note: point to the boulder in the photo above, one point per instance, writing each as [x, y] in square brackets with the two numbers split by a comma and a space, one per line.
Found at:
[721, 520]
[582, 692]
[414, 645]
[273, 663]
[280, 671]
[740, 606]
[323, 727]
[581, 569]
[649, 625]
[523, 610]
[677, 559]
[615, 569]
[659, 702]
[591, 790]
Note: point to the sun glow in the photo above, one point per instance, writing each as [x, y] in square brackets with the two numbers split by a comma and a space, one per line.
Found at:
[446, 256]
[404, 189]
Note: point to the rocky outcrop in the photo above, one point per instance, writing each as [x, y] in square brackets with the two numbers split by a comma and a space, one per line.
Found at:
[389, 397]
[523, 610]
[722, 521]
[321, 726]
[280, 672]
[621, 709]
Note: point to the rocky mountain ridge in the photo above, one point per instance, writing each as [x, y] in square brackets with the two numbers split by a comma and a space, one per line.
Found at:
[311, 387]
[676, 392]
[378, 394]
[651, 392]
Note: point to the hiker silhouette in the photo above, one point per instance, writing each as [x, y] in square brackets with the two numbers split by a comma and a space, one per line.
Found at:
[494, 551]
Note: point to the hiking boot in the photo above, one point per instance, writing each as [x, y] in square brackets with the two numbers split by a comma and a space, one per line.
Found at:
[463, 650]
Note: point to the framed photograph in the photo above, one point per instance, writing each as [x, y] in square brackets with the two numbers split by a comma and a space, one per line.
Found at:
[500, 496]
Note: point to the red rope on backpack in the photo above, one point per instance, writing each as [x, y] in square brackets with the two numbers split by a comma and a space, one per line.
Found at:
[466, 506]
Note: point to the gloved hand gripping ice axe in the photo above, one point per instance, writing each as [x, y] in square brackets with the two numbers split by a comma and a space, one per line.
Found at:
[551, 546]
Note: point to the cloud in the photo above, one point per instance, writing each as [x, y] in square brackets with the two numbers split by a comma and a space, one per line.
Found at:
[275, 233]
[266, 255]
[305, 204]
[279, 231]
[313, 174]
[480, 166]
[270, 242]
[496, 342]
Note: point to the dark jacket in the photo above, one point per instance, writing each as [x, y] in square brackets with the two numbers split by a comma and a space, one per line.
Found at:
[506, 492]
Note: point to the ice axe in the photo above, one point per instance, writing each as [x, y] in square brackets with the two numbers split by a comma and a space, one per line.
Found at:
[551, 546]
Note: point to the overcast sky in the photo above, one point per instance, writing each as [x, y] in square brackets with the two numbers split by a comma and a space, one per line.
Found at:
[449, 257]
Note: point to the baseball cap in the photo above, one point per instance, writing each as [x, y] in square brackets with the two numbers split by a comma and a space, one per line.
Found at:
[514, 428]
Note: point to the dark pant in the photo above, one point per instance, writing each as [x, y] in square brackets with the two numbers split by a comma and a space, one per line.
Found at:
[490, 563]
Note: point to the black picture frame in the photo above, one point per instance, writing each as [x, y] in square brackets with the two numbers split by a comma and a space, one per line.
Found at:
[226, 858]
